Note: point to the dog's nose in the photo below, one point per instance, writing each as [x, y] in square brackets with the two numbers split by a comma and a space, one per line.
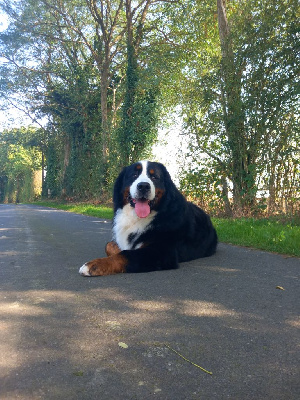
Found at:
[143, 187]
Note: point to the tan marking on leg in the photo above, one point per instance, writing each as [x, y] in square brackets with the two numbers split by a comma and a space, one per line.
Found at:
[107, 266]
[112, 248]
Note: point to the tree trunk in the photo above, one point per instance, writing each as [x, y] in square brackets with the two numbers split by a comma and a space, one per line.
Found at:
[272, 193]
[227, 205]
[67, 153]
[130, 138]
[128, 120]
[233, 112]
[104, 118]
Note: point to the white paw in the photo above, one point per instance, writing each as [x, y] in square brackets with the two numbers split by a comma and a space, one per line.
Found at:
[84, 270]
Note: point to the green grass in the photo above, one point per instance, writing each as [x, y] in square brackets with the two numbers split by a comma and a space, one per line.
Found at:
[266, 234]
[98, 211]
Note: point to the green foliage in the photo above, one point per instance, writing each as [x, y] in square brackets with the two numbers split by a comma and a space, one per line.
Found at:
[52, 181]
[103, 73]
[140, 110]
[74, 156]
[49, 53]
[138, 129]
[265, 234]
[98, 211]
[199, 184]
[240, 104]
[66, 67]
[18, 162]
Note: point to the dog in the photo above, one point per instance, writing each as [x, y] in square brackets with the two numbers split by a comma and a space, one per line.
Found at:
[154, 226]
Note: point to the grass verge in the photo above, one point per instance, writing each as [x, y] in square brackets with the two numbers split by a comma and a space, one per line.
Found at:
[264, 234]
[98, 211]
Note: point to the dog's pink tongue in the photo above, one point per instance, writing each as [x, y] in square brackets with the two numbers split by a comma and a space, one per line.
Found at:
[142, 208]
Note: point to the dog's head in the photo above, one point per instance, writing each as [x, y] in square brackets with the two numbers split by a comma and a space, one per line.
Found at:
[142, 185]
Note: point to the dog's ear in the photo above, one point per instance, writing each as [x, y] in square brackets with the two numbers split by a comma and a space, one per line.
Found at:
[170, 186]
[118, 190]
[172, 191]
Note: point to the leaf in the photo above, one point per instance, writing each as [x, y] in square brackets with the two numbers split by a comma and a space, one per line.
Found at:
[78, 373]
[280, 287]
[123, 345]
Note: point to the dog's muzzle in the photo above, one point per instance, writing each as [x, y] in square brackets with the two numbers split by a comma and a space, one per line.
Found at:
[143, 190]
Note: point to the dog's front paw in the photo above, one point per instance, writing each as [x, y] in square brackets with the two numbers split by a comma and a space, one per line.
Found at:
[84, 270]
[105, 266]
[92, 268]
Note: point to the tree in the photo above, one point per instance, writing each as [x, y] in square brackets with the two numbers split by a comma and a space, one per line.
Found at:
[108, 42]
[139, 118]
[242, 176]
[71, 57]
[241, 97]
[103, 71]
[64, 56]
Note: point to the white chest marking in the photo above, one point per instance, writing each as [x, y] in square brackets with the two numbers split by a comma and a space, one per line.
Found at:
[126, 222]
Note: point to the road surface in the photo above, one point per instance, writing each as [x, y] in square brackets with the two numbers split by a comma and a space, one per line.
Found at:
[63, 336]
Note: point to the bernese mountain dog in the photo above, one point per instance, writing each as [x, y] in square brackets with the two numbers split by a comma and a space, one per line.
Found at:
[154, 226]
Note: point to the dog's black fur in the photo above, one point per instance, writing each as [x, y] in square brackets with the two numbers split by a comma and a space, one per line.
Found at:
[179, 231]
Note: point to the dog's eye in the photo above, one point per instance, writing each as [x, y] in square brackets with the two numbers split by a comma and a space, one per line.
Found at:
[153, 177]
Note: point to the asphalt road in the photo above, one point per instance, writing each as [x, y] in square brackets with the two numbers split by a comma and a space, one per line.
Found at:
[63, 336]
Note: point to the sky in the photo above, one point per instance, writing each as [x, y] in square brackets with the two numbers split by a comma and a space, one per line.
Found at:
[171, 146]
[3, 21]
